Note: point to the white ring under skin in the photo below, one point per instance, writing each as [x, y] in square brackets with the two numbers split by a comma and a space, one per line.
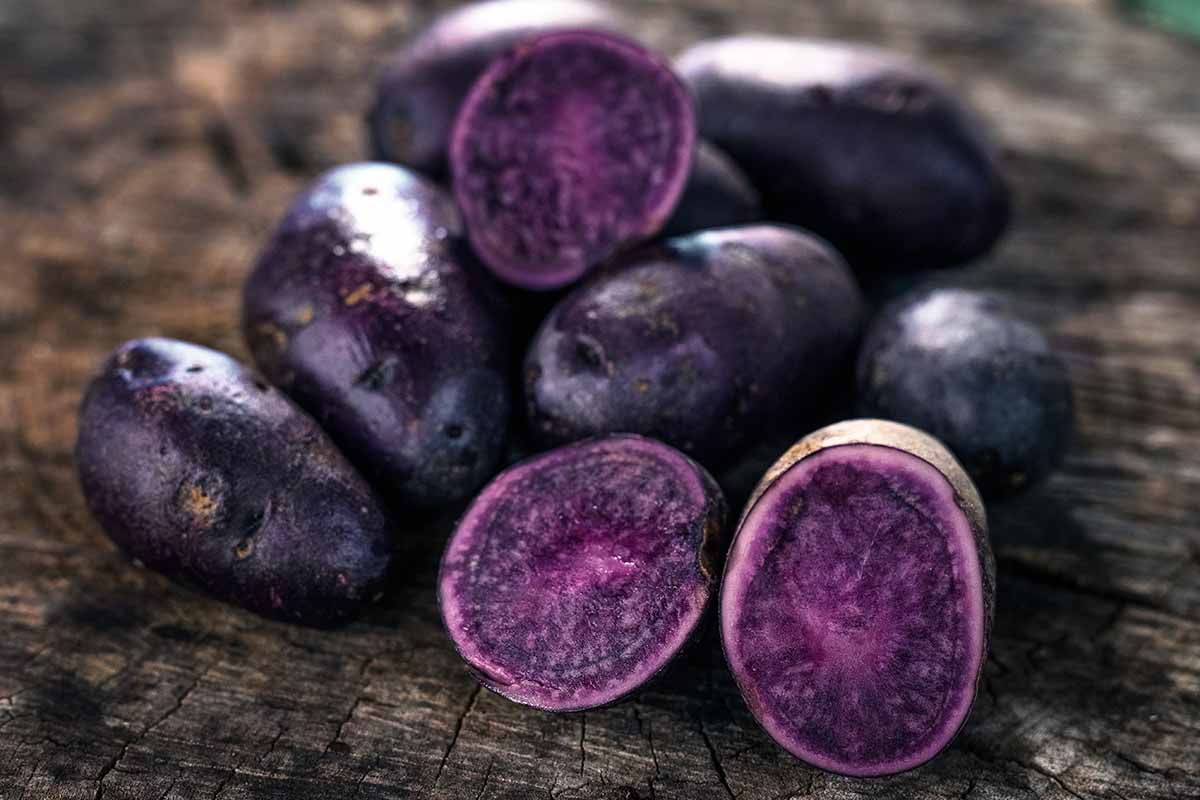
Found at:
[744, 558]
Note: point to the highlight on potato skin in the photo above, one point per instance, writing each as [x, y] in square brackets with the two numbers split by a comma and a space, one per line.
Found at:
[854, 143]
[858, 598]
[198, 469]
[368, 309]
[422, 85]
[578, 575]
[569, 149]
[704, 342]
[959, 364]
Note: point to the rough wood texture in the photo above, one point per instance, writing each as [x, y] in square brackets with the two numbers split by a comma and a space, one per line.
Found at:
[146, 147]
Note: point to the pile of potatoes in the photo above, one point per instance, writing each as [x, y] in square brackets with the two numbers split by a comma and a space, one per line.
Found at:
[624, 274]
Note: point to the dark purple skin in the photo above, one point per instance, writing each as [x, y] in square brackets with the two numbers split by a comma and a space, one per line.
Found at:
[570, 148]
[960, 365]
[423, 85]
[855, 144]
[718, 194]
[579, 574]
[705, 342]
[366, 308]
[857, 601]
[199, 470]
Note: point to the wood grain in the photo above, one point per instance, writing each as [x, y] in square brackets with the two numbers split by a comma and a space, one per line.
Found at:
[145, 149]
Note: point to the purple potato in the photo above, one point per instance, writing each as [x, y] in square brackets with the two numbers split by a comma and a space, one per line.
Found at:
[198, 469]
[717, 195]
[424, 83]
[577, 575]
[568, 149]
[366, 308]
[958, 364]
[705, 342]
[856, 605]
[855, 144]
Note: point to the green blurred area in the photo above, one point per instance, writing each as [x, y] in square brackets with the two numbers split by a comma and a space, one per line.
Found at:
[1181, 16]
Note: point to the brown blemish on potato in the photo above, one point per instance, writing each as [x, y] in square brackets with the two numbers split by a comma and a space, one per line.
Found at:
[642, 385]
[304, 315]
[362, 292]
[200, 505]
[273, 333]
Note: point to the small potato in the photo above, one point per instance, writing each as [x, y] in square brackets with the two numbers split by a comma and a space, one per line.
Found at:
[367, 308]
[853, 143]
[705, 342]
[960, 365]
[197, 468]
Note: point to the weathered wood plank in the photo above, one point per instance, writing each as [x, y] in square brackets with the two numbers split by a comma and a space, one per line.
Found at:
[144, 150]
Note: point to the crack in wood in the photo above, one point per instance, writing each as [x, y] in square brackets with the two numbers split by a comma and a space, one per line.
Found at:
[468, 707]
[716, 760]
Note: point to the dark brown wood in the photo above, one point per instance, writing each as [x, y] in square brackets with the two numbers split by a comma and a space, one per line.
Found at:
[146, 147]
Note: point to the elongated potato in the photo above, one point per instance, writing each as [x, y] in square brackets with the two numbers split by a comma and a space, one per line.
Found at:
[856, 144]
[365, 308]
[197, 468]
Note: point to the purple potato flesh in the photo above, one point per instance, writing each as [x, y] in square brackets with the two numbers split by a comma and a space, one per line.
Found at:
[424, 83]
[855, 144]
[705, 342]
[366, 307]
[577, 575]
[568, 149]
[717, 195]
[856, 604]
[198, 469]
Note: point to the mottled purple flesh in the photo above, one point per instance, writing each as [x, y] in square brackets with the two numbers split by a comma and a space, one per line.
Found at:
[856, 606]
[423, 84]
[198, 469]
[577, 575]
[568, 149]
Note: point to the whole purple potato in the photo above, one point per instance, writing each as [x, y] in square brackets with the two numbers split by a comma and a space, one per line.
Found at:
[197, 468]
[717, 195]
[962, 366]
[857, 601]
[704, 342]
[424, 83]
[569, 149]
[365, 308]
[577, 575]
[853, 143]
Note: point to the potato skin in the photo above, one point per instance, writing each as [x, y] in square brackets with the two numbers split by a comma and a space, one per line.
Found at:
[854, 144]
[198, 469]
[957, 364]
[717, 195]
[367, 308]
[703, 342]
[423, 84]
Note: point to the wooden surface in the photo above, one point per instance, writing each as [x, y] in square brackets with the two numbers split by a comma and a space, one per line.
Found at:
[145, 148]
